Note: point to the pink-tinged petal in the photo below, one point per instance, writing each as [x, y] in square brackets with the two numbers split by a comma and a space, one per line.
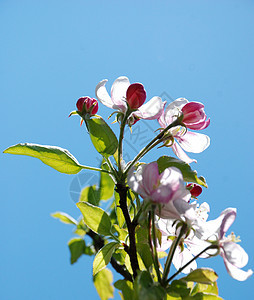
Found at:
[102, 94]
[228, 219]
[181, 154]
[235, 254]
[174, 109]
[162, 120]
[181, 258]
[194, 117]
[171, 176]
[193, 142]
[199, 126]
[192, 106]
[235, 272]
[151, 110]
[151, 177]
[118, 92]
[162, 194]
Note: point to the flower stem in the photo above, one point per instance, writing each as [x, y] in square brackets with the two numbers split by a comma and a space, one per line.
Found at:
[120, 146]
[153, 143]
[156, 260]
[194, 258]
[171, 254]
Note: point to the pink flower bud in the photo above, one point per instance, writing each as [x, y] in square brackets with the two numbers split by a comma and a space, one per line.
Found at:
[194, 189]
[194, 116]
[135, 95]
[89, 105]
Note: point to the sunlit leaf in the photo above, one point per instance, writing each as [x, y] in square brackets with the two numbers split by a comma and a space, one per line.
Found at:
[126, 287]
[65, 218]
[102, 136]
[103, 284]
[202, 275]
[57, 158]
[78, 247]
[103, 257]
[95, 218]
[188, 174]
[90, 194]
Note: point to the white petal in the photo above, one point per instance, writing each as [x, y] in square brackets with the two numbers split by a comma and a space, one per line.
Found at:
[194, 142]
[151, 110]
[228, 219]
[173, 109]
[235, 272]
[181, 154]
[182, 258]
[135, 179]
[102, 94]
[118, 92]
[235, 254]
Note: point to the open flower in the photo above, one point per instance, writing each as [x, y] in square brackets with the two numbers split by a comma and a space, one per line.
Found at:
[180, 138]
[233, 254]
[167, 189]
[122, 92]
[189, 245]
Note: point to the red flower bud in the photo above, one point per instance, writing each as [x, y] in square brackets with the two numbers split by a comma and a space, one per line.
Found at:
[194, 189]
[136, 95]
[89, 105]
[194, 116]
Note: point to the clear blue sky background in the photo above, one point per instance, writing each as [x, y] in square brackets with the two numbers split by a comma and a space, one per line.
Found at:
[53, 52]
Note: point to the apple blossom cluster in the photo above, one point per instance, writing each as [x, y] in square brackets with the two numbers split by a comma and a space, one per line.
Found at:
[134, 234]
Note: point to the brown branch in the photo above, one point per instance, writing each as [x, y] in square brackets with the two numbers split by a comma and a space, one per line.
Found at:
[121, 189]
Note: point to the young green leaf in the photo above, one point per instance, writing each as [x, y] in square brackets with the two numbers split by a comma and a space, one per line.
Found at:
[107, 186]
[202, 275]
[90, 194]
[77, 247]
[102, 136]
[207, 288]
[65, 218]
[103, 284]
[58, 158]
[126, 287]
[188, 174]
[103, 257]
[95, 218]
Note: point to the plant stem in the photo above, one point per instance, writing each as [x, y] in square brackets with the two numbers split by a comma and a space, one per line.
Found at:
[171, 254]
[95, 169]
[194, 258]
[152, 144]
[156, 260]
[120, 146]
[121, 189]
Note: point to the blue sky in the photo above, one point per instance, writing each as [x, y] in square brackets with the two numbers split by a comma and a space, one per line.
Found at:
[53, 52]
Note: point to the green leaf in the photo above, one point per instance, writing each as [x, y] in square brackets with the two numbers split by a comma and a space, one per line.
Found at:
[207, 288]
[126, 287]
[145, 253]
[145, 289]
[121, 233]
[90, 194]
[119, 213]
[102, 136]
[188, 174]
[202, 275]
[77, 247]
[65, 218]
[203, 296]
[103, 284]
[178, 287]
[95, 218]
[107, 184]
[103, 257]
[57, 158]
